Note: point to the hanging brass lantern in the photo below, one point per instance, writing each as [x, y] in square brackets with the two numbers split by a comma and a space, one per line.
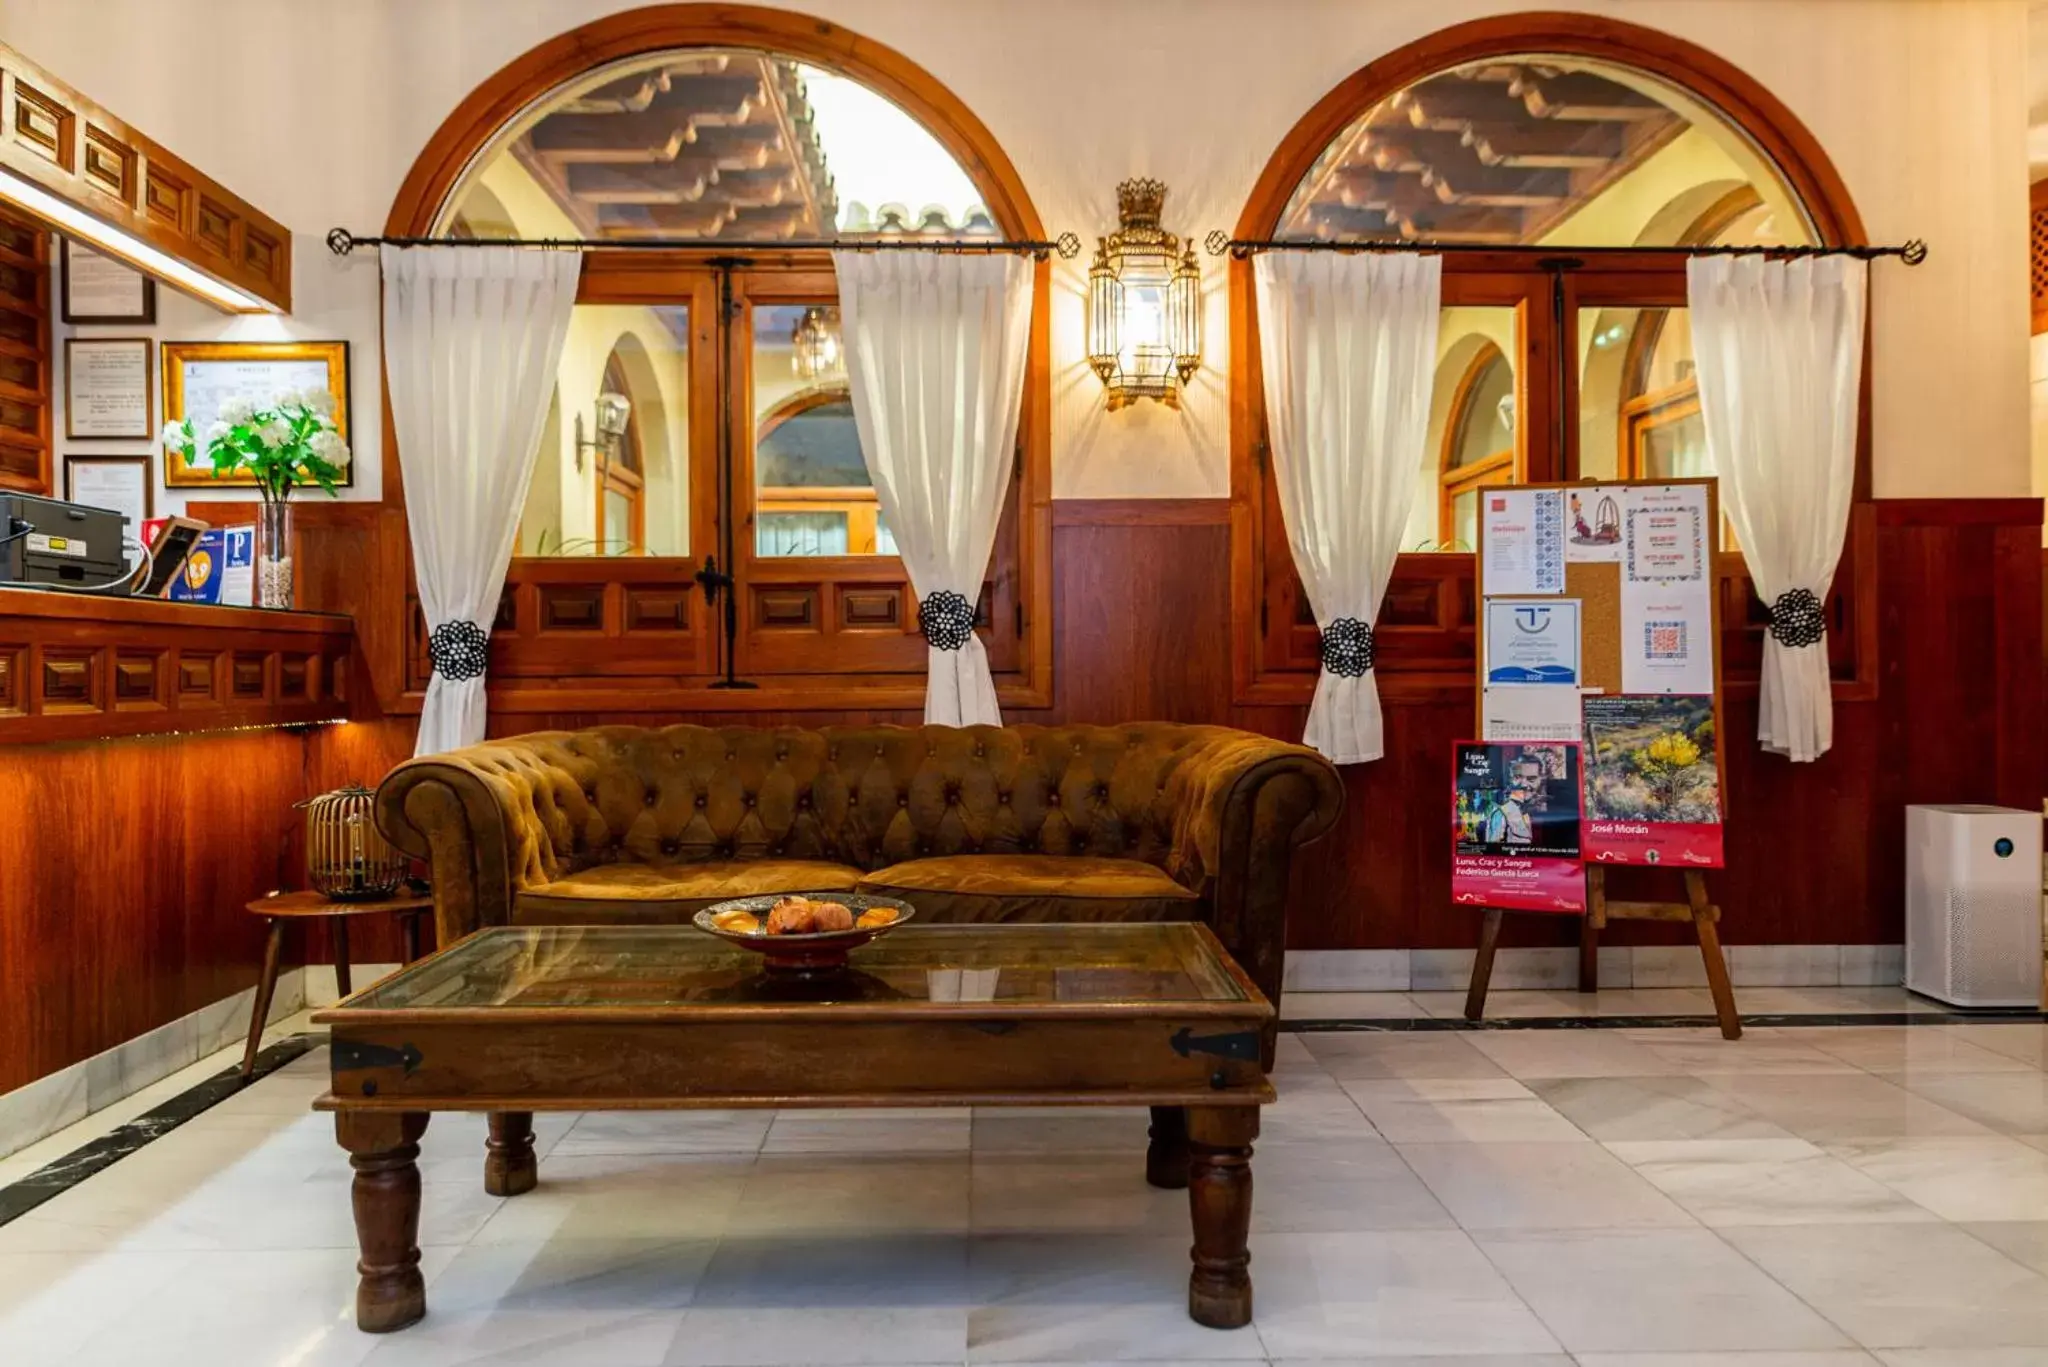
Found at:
[1144, 303]
[347, 857]
[814, 345]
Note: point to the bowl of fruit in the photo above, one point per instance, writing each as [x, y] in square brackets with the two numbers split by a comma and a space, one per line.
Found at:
[803, 932]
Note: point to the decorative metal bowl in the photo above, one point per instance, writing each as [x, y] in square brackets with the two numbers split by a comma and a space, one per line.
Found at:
[819, 952]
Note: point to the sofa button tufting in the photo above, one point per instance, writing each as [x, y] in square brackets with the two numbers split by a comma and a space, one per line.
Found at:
[750, 799]
[1053, 799]
[700, 801]
[1003, 798]
[671, 846]
[590, 794]
[902, 800]
[732, 754]
[652, 797]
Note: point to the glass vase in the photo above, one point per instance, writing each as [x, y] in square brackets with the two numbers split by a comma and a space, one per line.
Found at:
[274, 555]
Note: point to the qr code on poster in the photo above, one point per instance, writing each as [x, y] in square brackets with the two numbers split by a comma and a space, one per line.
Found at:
[1664, 640]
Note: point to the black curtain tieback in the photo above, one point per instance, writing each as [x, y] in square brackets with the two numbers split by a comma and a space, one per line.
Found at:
[1347, 648]
[459, 650]
[946, 619]
[1797, 619]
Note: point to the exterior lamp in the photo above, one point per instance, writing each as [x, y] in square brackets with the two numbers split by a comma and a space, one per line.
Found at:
[1144, 303]
[614, 411]
[814, 344]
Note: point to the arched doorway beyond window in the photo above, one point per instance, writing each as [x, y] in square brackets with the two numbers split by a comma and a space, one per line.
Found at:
[565, 141]
[1521, 138]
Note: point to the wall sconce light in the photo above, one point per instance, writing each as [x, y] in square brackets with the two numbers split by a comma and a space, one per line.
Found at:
[1144, 303]
[614, 411]
[815, 346]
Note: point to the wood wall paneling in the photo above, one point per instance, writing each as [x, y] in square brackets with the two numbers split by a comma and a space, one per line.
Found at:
[25, 459]
[56, 138]
[128, 864]
[76, 668]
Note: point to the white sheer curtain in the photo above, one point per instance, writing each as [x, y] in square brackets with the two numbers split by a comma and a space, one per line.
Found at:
[1347, 344]
[471, 339]
[935, 358]
[1779, 348]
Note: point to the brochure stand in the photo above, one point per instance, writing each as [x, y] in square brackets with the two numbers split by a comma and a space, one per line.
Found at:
[1643, 708]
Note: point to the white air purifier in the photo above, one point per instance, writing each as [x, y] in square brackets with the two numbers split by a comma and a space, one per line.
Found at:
[1973, 904]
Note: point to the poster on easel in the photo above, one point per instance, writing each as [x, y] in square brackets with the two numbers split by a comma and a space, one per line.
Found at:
[1516, 826]
[1636, 582]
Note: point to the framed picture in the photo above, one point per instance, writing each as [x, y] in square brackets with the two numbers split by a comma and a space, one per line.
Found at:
[106, 389]
[125, 484]
[200, 376]
[99, 289]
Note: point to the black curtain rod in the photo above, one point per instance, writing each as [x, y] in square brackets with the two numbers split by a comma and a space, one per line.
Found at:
[341, 242]
[1912, 252]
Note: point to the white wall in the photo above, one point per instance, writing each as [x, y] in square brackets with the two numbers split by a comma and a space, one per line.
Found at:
[329, 306]
[1922, 104]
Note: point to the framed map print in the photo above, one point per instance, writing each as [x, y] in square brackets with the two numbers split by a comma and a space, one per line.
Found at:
[200, 376]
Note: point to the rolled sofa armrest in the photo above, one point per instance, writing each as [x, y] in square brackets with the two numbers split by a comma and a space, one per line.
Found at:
[1243, 803]
[472, 816]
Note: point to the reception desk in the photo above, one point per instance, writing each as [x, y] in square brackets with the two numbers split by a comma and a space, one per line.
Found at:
[80, 668]
[151, 756]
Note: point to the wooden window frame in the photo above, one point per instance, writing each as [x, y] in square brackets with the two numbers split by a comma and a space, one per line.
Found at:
[1452, 478]
[633, 634]
[1426, 625]
[627, 477]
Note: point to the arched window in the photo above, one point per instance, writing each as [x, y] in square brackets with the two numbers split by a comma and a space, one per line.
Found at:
[745, 127]
[1526, 139]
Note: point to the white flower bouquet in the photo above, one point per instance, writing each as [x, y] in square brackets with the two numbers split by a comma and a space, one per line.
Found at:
[289, 442]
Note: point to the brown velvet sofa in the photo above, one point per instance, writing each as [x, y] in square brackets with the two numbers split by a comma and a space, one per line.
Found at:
[620, 824]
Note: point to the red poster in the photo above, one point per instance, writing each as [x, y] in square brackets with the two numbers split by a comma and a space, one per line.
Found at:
[1515, 826]
[1653, 789]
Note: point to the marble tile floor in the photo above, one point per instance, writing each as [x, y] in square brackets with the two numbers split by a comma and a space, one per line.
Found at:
[1812, 1196]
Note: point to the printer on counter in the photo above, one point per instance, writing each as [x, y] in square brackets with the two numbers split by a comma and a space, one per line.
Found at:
[48, 541]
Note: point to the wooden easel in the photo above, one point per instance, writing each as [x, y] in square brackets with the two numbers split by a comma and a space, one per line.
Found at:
[1703, 914]
[1597, 587]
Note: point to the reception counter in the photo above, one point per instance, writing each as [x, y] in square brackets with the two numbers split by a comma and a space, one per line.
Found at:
[151, 756]
[74, 667]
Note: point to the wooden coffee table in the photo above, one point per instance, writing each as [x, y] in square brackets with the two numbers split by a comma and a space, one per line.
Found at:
[514, 1020]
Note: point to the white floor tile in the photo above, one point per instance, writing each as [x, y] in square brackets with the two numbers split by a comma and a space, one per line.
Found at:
[1958, 1178]
[1905, 1286]
[869, 1299]
[1475, 1110]
[1846, 1106]
[1764, 1182]
[1093, 1299]
[1649, 1108]
[1539, 1186]
[1351, 1055]
[1094, 1193]
[1416, 1292]
[1339, 1186]
[1530, 1054]
[1663, 1290]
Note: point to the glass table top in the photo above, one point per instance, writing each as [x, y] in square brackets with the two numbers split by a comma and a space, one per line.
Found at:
[571, 967]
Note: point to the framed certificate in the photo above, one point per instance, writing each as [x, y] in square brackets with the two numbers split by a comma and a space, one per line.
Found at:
[106, 389]
[122, 483]
[99, 289]
[200, 376]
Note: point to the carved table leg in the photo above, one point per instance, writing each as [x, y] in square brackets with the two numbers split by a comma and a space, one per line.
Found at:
[1220, 1198]
[1166, 1157]
[382, 1148]
[509, 1165]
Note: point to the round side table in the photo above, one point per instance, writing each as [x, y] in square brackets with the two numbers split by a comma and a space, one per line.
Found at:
[282, 908]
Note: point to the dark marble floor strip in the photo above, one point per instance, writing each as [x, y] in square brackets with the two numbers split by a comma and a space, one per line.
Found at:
[61, 1174]
[1425, 1024]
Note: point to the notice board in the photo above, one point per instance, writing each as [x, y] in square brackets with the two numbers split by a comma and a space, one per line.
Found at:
[1597, 731]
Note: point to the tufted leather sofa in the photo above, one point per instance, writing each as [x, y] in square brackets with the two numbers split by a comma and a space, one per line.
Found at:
[1150, 821]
